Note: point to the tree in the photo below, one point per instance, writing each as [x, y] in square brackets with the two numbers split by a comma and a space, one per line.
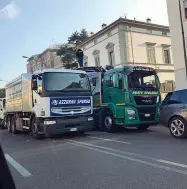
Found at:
[83, 35]
[68, 54]
[2, 93]
[78, 36]
[75, 36]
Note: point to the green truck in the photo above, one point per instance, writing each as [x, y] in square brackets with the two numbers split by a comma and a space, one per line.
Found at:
[125, 97]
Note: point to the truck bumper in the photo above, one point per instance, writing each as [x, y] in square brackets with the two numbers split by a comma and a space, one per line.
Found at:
[135, 123]
[141, 116]
[65, 124]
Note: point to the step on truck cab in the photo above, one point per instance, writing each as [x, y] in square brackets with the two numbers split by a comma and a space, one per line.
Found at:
[128, 96]
[2, 113]
[51, 101]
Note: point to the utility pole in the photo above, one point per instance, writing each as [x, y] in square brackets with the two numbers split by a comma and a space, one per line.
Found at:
[183, 37]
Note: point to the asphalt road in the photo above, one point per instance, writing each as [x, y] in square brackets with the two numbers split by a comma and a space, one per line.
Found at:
[129, 159]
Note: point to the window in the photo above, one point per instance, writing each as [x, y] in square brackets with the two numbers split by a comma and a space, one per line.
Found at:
[169, 86]
[175, 98]
[58, 81]
[183, 94]
[151, 54]
[162, 87]
[167, 58]
[143, 81]
[85, 64]
[120, 80]
[185, 12]
[164, 33]
[111, 58]
[109, 82]
[185, 9]
[97, 61]
[166, 98]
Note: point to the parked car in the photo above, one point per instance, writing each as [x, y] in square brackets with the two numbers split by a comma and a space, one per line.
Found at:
[173, 113]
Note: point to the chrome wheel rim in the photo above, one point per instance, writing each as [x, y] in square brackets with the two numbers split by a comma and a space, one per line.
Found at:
[177, 127]
[108, 122]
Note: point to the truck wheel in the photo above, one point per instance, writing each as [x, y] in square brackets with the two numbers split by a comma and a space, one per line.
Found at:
[34, 130]
[1, 124]
[108, 122]
[178, 127]
[13, 126]
[143, 127]
[9, 124]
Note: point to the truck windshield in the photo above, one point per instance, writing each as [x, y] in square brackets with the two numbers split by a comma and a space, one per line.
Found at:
[66, 82]
[143, 81]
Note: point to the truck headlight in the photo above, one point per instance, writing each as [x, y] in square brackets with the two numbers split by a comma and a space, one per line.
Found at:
[130, 112]
[49, 122]
[90, 118]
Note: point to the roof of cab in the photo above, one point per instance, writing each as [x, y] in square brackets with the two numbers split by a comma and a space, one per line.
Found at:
[125, 68]
[59, 71]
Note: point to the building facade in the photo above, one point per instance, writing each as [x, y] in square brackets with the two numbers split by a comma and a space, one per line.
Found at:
[134, 43]
[46, 59]
[177, 12]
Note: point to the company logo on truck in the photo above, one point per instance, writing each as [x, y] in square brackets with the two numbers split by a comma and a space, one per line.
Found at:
[70, 106]
[145, 92]
[70, 102]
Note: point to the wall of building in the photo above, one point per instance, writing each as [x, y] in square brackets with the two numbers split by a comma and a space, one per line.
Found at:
[140, 48]
[100, 44]
[176, 40]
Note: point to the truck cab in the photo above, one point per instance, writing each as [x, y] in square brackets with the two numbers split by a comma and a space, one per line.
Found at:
[129, 97]
[49, 101]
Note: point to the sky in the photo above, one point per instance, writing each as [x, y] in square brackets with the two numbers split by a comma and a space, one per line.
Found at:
[28, 27]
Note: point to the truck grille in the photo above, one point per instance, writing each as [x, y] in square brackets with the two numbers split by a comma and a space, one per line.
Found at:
[145, 100]
[70, 110]
[146, 114]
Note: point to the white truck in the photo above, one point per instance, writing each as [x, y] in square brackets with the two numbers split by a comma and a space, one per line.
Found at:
[51, 101]
[2, 113]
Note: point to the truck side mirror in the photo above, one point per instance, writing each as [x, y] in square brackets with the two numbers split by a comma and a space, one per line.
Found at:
[94, 81]
[34, 83]
[115, 80]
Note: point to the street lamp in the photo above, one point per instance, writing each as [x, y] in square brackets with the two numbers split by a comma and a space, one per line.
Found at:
[25, 57]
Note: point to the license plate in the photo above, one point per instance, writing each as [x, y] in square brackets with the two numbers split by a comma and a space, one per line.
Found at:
[73, 129]
[147, 115]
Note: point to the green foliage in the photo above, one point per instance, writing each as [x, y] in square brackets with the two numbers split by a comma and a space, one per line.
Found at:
[2, 93]
[68, 54]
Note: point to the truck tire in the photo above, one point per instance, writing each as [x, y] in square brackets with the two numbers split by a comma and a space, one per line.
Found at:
[34, 130]
[13, 125]
[9, 124]
[143, 127]
[108, 122]
[1, 124]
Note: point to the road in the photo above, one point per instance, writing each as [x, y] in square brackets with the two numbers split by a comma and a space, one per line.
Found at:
[98, 160]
